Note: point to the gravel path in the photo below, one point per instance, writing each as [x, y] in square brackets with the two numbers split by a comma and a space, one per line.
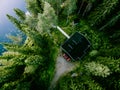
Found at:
[62, 68]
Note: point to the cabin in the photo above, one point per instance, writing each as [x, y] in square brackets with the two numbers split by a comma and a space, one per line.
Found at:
[75, 47]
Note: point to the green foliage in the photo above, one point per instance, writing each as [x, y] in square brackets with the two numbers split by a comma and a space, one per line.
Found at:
[31, 65]
[93, 53]
[10, 54]
[78, 83]
[36, 56]
[33, 60]
[15, 39]
[112, 64]
[56, 4]
[97, 69]
[20, 14]
[111, 52]
[102, 11]
[37, 4]
[15, 21]
[112, 22]
[47, 19]
[31, 21]
[97, 40]
[69, 6]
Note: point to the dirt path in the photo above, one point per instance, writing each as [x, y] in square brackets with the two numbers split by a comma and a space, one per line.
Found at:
[62, 67]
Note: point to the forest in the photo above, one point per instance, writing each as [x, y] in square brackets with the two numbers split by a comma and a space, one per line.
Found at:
[31, 65]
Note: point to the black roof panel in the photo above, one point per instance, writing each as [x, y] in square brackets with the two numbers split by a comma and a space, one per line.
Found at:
[76, 46]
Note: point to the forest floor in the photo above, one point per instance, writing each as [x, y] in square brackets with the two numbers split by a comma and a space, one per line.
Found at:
[62, 67]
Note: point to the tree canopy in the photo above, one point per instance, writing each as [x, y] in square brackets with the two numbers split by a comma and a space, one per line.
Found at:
[32, 65]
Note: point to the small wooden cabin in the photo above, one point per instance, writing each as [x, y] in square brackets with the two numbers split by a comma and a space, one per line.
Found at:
[76, 46]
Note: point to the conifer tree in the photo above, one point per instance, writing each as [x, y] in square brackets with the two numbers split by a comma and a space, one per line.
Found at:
[32, 57]
[102, 11]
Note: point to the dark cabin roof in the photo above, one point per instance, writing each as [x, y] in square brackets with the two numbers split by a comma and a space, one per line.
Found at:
[76, 46]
